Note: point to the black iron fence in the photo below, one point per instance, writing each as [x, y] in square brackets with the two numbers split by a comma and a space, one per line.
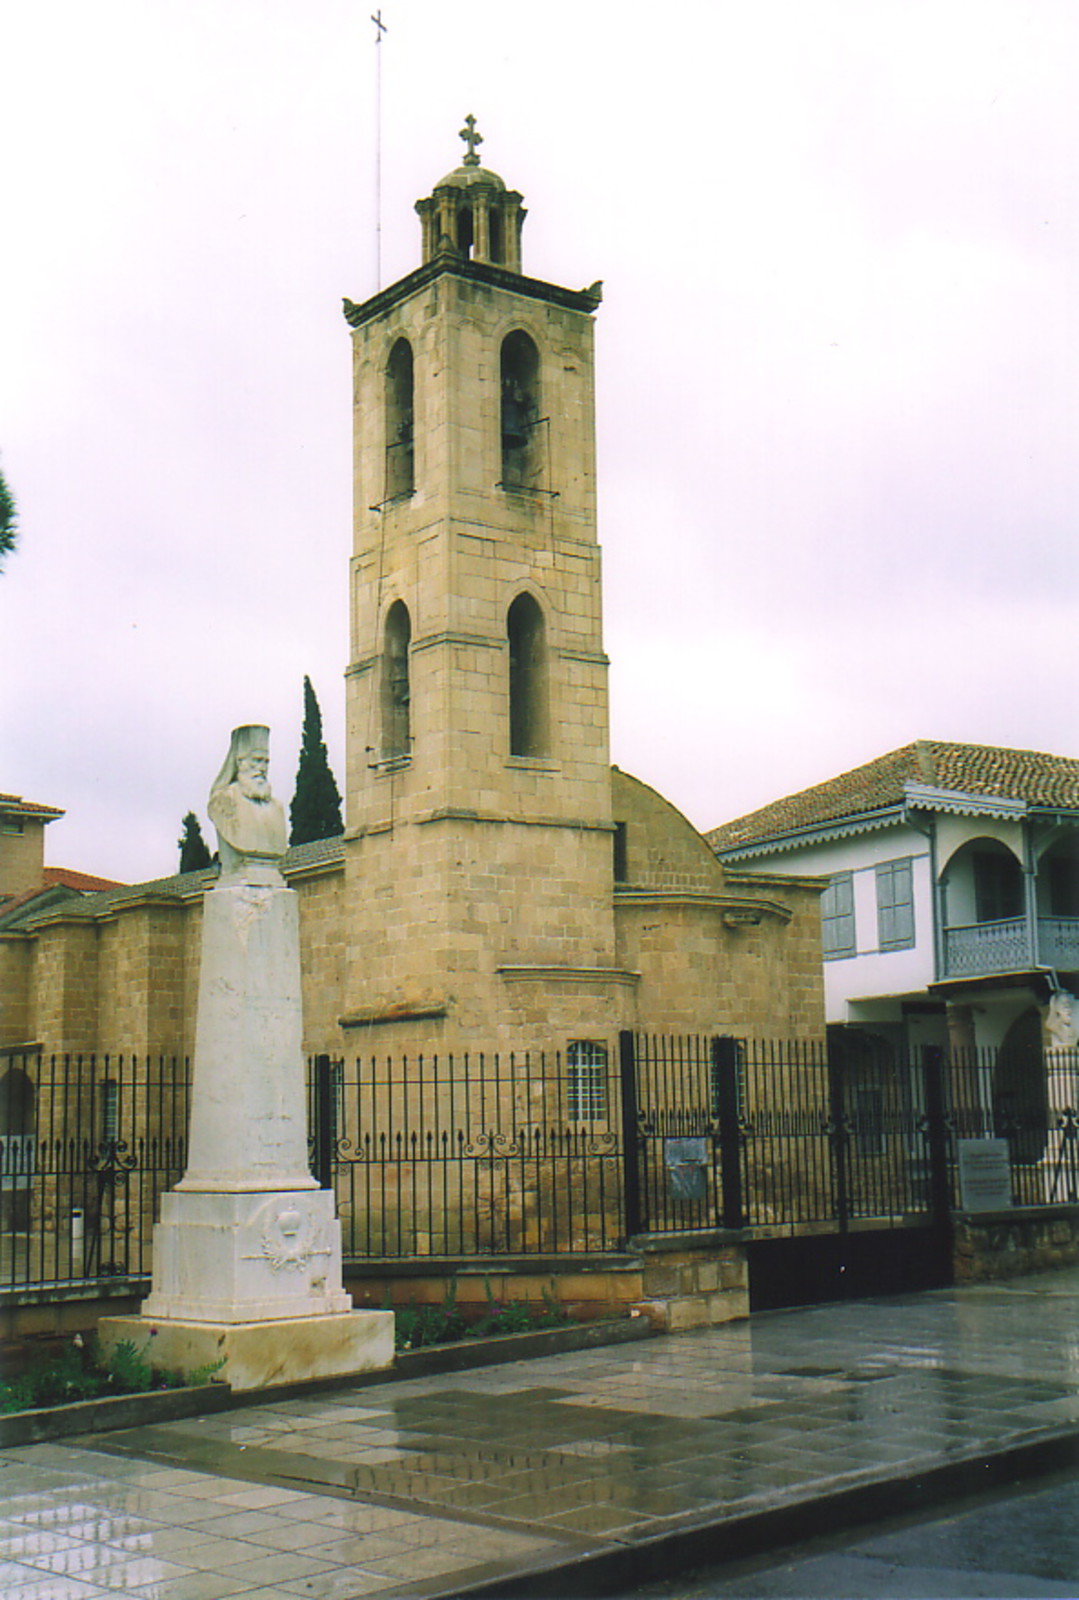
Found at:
[472, 1154]
[88, 1144]
[480, 1155]
[779, 1137]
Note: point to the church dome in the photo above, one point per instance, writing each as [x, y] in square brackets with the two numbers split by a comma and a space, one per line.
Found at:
[470, 178]
[472, 214]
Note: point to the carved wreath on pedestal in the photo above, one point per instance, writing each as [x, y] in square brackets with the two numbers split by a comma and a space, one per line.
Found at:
[289, 1237]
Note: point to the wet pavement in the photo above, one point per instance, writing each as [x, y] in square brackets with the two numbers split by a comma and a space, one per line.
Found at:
[1020, 1544]
[576, 1474]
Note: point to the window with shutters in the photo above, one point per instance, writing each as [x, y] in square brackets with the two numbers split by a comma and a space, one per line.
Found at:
[895, 905]
[837, 918]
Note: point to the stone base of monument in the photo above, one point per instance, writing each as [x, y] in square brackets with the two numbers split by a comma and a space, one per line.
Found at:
[250, 1283]
[258, 1355]
[247, 1256]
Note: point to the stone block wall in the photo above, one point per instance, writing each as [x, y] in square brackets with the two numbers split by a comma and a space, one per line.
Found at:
[64, 977]
[1011, 1244]
[15, 963]
[691, 1283]
[716, 953]
[587, 1290]
[323, 950]
[22, 855]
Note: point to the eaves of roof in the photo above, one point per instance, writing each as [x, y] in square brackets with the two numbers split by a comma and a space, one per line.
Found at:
[921, 797]
[13, 805]
[977, 780]
[301, 861]
[824, 833]
[450, 263]
[16, 914]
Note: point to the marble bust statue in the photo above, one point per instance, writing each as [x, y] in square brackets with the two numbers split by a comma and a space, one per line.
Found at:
[250, 823]
[1062, 1021]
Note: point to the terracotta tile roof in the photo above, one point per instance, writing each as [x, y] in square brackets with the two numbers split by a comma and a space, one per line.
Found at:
[57, 884]
[974, 769]
[13, 805]
[83, 882]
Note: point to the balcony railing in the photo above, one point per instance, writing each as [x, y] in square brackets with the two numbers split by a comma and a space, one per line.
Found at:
[983, 948]
[1058, 942]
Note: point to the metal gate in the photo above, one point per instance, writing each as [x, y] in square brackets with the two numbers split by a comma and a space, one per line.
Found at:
[836, 1171]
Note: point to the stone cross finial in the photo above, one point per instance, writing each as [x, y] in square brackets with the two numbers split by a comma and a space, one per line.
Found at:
[472, 139]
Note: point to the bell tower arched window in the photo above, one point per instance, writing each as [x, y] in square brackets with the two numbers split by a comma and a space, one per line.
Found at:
[526, 633]
[521, 432]
[400, 454]
[395, 688]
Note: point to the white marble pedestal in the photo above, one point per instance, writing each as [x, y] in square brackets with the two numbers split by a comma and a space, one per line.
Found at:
[247, 1255]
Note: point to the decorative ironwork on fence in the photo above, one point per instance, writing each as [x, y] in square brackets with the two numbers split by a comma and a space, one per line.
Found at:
[782, 1136]
[486, 1155]
[87, 1146]
[470, 1155]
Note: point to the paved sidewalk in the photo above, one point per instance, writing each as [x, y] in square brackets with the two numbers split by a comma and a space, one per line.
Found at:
[578, 1474]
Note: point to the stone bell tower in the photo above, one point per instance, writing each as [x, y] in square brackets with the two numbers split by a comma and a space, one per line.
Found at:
[479, 849]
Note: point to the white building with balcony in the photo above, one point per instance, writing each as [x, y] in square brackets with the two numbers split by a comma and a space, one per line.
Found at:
[952, 908]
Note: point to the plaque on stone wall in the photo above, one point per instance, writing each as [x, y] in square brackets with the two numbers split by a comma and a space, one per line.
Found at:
[985, 1178]
[686, 1161]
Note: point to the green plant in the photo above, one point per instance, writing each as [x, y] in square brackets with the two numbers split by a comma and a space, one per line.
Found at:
[517, 1316]
[417, 1326]
[84, 1372]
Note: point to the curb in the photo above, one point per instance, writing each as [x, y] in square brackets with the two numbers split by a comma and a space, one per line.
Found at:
[114, 1411]
[171, 1405]
[711, 1539]
[517, 1347]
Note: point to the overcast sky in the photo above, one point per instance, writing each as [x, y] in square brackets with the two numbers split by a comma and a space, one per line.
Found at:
[838, 371]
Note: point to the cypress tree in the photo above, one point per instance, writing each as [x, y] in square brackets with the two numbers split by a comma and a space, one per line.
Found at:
[8, 520]
[194, 851]
[315, 812]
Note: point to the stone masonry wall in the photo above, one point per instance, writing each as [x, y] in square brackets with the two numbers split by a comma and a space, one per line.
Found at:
[15, 962]
[991, 1248]
[715, 953]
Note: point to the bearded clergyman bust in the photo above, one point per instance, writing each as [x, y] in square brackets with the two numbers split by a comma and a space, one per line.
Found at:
[250, 823]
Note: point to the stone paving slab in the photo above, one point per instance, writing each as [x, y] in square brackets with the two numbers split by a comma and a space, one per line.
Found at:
[554, 1475]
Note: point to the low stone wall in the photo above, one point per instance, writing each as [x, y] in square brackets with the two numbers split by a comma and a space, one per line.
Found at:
[45, 1314]
[692, 1280]
[588, 1287]
[677, 1281]
[993, 1245]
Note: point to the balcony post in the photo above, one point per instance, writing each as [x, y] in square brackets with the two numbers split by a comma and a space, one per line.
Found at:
[1030, 888]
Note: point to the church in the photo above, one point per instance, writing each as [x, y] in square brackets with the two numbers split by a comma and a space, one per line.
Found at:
[499, 885]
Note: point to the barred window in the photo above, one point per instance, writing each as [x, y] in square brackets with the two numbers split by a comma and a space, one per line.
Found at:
[586, 1081]
[110, 1110]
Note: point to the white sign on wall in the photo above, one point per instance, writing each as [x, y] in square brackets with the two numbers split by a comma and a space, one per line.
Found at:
[985, 1178]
